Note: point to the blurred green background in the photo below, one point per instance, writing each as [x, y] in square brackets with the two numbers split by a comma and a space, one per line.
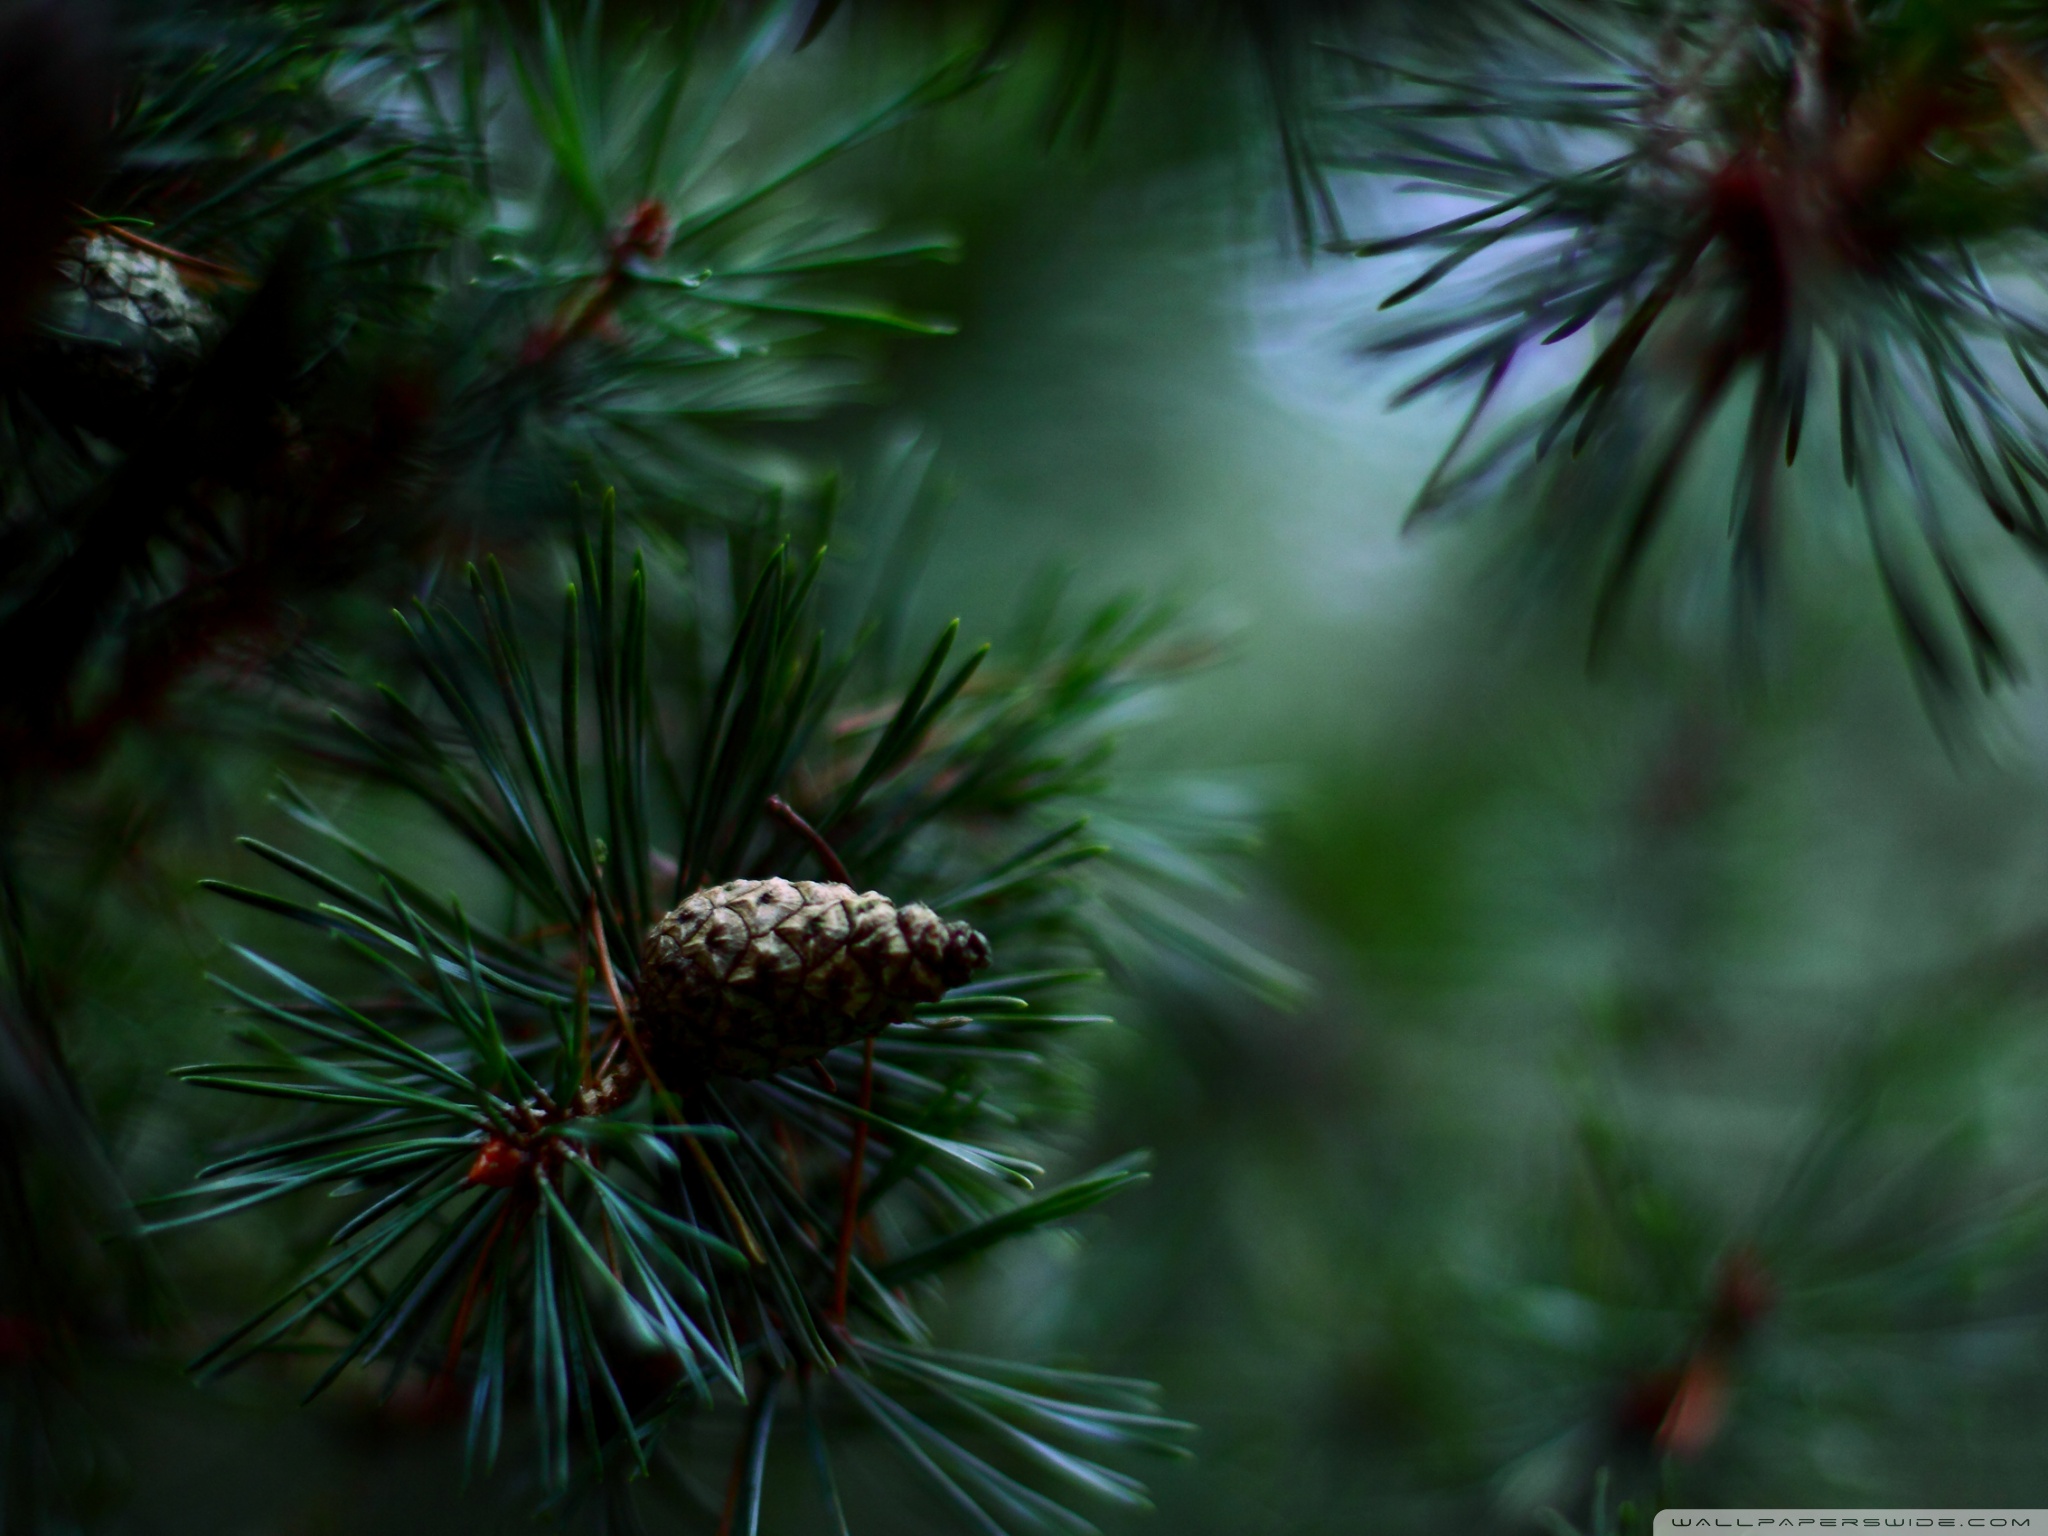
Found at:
[1645, 1010]
[1613, 975]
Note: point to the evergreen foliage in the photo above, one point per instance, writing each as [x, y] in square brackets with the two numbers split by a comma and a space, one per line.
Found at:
[554, 328]
[552, 1220]
[450, 264]
[346, 290]
[1769, 211]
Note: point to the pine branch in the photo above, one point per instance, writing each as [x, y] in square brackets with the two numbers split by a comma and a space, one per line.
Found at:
[554, 1218]
[1740, 201]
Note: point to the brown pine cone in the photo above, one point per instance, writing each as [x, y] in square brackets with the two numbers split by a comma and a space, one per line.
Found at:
[748, 978]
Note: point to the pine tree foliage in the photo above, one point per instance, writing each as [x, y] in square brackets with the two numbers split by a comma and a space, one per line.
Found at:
[1641, 1176]
[647, 285]
[349, 295]
[333, 293]
[354, 283]
[1668, 1340]
[1758, 211]
[542, 1220]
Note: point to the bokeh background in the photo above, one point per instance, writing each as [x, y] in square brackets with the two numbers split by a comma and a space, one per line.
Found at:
[1636, 1030]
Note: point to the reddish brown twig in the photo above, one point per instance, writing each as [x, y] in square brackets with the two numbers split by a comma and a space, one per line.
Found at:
[787, 814]
[644, 237]
[477, 1285]
[609, 977]
[583, 993]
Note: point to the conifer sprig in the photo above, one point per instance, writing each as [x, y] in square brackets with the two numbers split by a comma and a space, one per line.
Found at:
[353, 286]
[1780, 213]
[1879, 1248]
[543, 1220]
[639, 280]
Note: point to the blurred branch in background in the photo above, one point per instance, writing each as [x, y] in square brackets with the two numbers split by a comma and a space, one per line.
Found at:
[1793, 216]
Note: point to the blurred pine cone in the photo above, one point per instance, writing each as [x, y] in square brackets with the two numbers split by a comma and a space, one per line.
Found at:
[145, 293]
[754, 976]
[121, 331]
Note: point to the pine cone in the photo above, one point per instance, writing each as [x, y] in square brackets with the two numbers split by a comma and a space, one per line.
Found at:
[125, 329]
[144, 292]
[754, 976]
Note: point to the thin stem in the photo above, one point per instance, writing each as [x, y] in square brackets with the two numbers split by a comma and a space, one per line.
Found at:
[604, 966]
[176, 258]
[850, 1209]
[786, 813]
[583, 992]
[470, 1293]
